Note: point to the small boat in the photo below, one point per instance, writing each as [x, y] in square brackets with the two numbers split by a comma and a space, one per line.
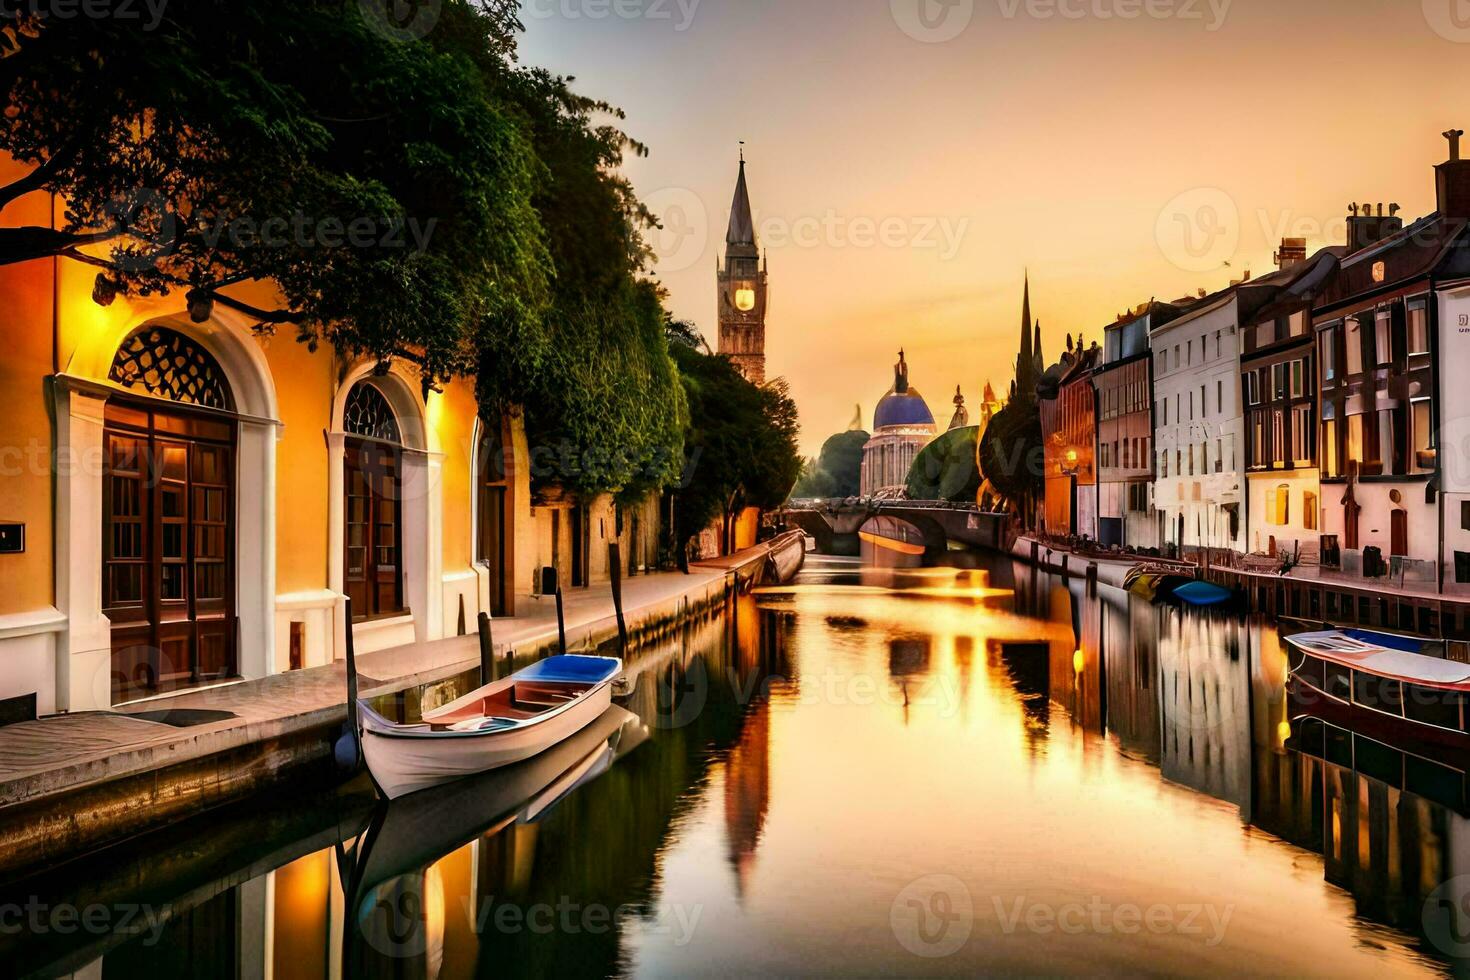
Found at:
[1203, 594]
[1384, 685]
[502, 723]
[391, 858]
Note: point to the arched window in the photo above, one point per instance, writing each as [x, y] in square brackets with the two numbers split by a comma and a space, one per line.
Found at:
[373, 483]
[369, 415]
[167, 364]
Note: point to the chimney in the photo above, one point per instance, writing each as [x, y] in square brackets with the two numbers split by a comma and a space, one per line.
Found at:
[1293, 252]
[1452, 180]
[1365, 228]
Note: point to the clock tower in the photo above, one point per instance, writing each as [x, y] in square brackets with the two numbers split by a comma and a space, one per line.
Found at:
[742, 290]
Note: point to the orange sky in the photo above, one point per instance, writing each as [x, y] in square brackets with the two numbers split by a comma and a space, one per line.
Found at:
[903, 185]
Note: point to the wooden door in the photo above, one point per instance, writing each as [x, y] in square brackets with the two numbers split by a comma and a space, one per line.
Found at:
[492, 545]
[373, 535]
[579, 547]
[168, 549]
[1400, 537]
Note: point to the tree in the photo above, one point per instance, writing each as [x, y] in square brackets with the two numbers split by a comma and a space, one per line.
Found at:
[838, 471]
[603, 405]
[948, 468]
[741, 443]
[1012, 456]
[384, 189]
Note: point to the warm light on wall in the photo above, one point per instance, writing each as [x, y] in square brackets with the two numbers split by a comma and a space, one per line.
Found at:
[745, 300]
[1079, 661]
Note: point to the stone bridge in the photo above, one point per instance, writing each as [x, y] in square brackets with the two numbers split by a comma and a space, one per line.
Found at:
[835, 523]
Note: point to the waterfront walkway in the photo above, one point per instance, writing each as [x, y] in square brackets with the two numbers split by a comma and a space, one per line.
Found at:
[1305, 591]
[265, 726]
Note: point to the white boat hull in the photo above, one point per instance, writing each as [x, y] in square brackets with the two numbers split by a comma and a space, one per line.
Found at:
[401, 765]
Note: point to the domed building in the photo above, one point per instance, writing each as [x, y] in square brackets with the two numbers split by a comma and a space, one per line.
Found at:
[902, 427]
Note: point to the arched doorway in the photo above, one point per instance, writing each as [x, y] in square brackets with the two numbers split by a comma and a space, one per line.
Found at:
[168, 516]
[372, 467]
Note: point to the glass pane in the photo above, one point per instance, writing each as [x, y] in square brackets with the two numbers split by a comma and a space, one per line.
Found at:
[209, 580]
[173, 541]
[171, 585]
[175, 463]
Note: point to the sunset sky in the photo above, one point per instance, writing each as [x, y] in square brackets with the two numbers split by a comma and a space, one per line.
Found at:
[909, 160]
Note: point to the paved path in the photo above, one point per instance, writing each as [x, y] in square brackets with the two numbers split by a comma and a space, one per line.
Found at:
[1112, 571]
[68, 752]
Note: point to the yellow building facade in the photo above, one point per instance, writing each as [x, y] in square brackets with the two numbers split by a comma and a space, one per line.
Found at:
[198, 500]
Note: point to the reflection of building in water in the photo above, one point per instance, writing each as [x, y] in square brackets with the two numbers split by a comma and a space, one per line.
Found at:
[1204, 682]
[1381, 838]
[1077, 674]
[1027, 666]
[748, 794]
[1132, 672]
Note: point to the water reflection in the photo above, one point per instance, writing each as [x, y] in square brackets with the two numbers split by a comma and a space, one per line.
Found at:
[899, 771]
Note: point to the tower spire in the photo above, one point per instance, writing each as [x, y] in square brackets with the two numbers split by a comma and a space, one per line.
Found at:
[1026, 361]
[742, 225]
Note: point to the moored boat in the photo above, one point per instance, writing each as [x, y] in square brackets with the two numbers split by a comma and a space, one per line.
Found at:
[1202, 594]
[1383, 684]
[500, 724]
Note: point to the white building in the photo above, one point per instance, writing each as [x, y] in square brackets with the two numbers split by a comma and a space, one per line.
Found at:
[1200, 490]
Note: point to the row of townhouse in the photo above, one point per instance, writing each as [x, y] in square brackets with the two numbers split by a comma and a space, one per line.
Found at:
[1311, 413]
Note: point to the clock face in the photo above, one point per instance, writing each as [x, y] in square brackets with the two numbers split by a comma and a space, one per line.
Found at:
[745, 299]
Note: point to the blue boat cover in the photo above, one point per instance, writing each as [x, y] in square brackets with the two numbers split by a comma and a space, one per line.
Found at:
[1388, 641]
[571, 670]
[1203, 594]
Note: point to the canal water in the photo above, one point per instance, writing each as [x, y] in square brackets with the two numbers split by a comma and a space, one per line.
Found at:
[872, 772]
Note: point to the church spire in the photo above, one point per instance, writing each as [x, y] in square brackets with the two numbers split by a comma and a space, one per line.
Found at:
[1036, 352]
[1026, 374]
[742, 225]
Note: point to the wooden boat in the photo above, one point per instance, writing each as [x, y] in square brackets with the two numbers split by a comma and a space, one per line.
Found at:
[1384, 685]
[1202, 594]
[786, 557]
[410, 834]
[500, 724]
[388, 861]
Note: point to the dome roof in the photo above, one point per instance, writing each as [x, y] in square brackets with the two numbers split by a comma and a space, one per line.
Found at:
[903, 405]
[906, 408]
